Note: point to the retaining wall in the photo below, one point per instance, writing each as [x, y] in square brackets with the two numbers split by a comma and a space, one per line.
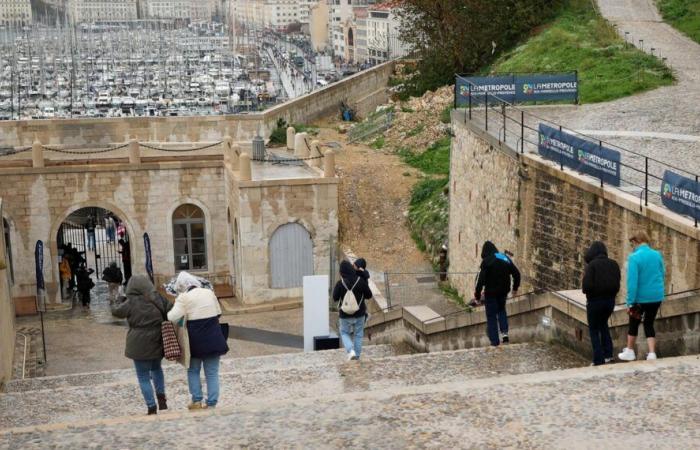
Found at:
[7, 317]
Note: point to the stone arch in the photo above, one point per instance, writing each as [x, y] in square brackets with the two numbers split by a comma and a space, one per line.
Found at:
[278, 223]
[208, 230]
[51, 244]
[291, 255]
[351, 37]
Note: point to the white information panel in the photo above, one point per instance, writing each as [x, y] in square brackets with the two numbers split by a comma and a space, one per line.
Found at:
[315, 309]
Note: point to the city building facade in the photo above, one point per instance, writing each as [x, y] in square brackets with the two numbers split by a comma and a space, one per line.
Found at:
[15, 13]
[102, 10]
[383, 33]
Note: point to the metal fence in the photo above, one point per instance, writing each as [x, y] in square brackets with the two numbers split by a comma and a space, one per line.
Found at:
[640, 175]
[375, 124]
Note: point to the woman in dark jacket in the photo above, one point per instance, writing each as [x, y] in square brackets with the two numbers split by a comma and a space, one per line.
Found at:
[601, 283]
[145, 311]
[352, 325]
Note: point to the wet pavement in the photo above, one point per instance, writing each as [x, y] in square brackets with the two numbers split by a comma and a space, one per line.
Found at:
[249, 382]
[91, 340]
[635, 405]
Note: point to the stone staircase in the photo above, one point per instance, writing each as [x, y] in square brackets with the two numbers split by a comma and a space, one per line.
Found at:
[521, 394]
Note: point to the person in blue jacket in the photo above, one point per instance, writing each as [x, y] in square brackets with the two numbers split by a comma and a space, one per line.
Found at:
[645, 292]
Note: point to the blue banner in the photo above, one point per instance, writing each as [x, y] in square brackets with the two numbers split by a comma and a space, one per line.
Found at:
[149, 261]
[39, 264]
[681, 194]
[502, 87]
[517, 88]
[544, 87]
[579, 154]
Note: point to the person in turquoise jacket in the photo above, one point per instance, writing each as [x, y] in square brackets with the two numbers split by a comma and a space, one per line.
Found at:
[645, 292]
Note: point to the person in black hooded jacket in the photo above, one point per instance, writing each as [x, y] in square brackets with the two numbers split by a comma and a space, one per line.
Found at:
[494, 278]
[601, 283]
[352, 325]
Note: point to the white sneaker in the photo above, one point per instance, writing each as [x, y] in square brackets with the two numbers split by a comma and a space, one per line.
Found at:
[651, 356]
[351, 355]
[627, 354]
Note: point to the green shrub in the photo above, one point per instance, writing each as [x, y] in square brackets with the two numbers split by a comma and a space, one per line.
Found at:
[682, 14]
[435, 160]
[378, 143]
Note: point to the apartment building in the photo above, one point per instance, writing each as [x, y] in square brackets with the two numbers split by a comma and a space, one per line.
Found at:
[102, 10]
[14, 13]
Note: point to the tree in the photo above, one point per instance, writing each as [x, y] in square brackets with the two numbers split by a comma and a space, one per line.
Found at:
[462, 36]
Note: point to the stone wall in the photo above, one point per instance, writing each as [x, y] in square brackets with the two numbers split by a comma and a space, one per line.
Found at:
[366, 90]
[484, 204]
[7, 316]
[547, 317]
[143, 196]
[260, 207]
[548, 217]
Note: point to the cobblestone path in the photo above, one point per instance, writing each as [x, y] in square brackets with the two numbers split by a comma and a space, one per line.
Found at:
[251, 383]
[633, 405]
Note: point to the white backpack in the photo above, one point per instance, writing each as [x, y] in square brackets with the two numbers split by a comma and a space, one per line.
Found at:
[349, 305]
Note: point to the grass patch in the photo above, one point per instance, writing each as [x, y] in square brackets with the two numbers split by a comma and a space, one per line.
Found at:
[428, 214]
[434, 161]
[683, 15]
[378, 143]
[451, 293]
[406, 109]
[580, 39]
[446, 115]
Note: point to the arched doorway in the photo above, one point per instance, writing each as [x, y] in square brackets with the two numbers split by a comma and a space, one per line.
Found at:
[291, 256]
[92, 238]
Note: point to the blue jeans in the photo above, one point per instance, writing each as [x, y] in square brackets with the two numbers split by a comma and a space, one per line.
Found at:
[598, 313]
[148, 370]
[211, 374]
[496, 317]
[352, 330]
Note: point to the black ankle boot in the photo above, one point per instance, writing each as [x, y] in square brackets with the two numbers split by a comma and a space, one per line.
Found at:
[162, 403]
[152, 410]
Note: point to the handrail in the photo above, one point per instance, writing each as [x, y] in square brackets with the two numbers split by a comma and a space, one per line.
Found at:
[24, 359]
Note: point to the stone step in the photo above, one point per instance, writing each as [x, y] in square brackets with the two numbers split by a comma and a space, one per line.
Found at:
[256, 363]
[122, 398]
[644, 404]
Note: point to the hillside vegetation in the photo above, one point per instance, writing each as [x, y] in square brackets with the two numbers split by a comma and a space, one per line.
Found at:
[682, 14]
[580, 39]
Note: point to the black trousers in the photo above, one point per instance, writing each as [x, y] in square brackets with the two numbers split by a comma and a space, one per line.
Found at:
[598, 312]
[649, 311]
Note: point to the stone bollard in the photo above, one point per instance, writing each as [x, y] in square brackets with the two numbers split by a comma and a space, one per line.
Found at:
[37, 154]
[300, 145]
[315, 153]
[329, 164]
[245, 170]
[134, 152]
[291, 132]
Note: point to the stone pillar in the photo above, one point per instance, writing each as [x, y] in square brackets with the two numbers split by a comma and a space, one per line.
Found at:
[234, 155]
[134, 152]
[291, 132]
[300, 145]
[315, 152]
[245, 171]
[329, 164]
[37, 154]
[226, 144]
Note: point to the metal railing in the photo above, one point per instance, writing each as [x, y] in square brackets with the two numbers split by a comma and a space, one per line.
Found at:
[375, 124]
[640, 174]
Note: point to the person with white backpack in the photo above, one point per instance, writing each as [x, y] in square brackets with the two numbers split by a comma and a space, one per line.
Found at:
[352, 291]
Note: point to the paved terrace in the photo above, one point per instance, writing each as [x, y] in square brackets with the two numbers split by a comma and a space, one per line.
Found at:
[465, 399]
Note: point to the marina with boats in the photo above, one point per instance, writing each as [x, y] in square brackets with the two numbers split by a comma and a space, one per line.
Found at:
[150, 68]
